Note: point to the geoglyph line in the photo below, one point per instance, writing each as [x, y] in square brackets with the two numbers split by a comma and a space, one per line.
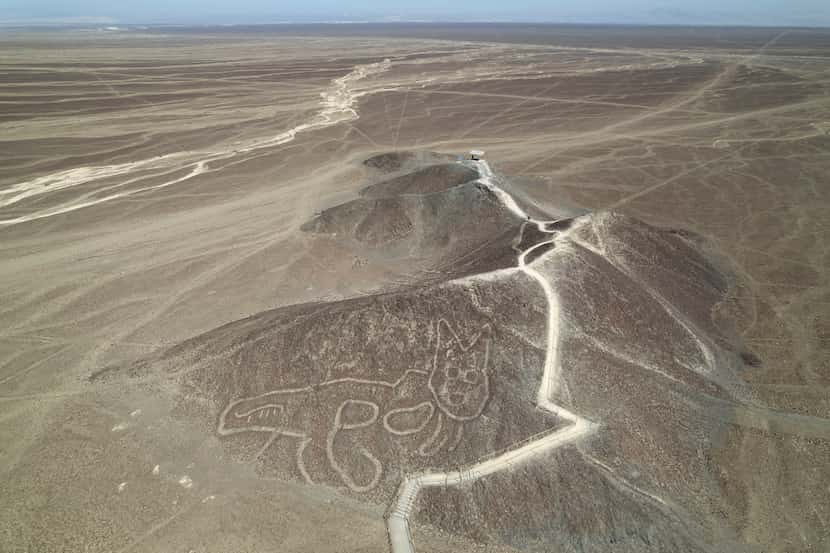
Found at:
[274, 412]
[400, 536]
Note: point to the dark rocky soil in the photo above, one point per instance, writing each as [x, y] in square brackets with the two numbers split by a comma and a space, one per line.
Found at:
[356, 394]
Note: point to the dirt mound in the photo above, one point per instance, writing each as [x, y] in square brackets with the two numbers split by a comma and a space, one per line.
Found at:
[391, 162]
[437, 214]
[440, 218]
[435, 178]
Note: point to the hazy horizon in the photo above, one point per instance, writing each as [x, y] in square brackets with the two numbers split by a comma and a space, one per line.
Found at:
[813, 13]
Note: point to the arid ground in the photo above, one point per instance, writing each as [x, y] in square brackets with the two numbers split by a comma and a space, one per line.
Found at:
[248, 293]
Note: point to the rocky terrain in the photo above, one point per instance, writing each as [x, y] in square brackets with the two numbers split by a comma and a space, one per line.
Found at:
[440, 375]
[252, 301]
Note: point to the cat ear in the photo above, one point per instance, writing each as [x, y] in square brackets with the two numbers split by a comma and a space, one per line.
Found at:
[483, 345]
[446, 336]
[445, 333]
[482, 339]
[486, 331]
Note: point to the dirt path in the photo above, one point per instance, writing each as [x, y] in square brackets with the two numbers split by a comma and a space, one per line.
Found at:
[400, 537]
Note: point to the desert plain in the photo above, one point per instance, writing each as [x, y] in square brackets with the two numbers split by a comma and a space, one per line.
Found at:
[253, 300]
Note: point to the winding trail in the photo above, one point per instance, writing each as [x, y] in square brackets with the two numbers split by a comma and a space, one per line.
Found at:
[400, 537]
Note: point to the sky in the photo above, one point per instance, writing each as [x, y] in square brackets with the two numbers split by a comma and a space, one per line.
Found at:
[711, 12]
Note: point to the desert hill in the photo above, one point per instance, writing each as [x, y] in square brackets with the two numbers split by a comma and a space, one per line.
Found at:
[363, 393]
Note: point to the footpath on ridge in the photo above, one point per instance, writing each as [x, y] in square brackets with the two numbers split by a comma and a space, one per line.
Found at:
[399, 512]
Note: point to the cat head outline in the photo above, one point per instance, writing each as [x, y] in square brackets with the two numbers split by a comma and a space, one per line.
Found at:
[460, 380]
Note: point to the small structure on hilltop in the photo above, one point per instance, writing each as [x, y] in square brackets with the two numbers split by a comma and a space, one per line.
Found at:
[476, 155]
